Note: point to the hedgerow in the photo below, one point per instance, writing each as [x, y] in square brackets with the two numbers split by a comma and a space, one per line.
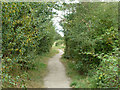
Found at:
[92, 41]
[26, 32]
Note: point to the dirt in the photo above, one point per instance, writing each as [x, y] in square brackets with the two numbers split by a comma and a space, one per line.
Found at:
[56, 77]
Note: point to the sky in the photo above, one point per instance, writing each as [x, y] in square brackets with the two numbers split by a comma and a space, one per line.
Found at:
[56, 21]
[60, 16]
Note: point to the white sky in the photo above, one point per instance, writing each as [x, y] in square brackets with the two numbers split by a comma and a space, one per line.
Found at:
[61, 14]
[57, 19]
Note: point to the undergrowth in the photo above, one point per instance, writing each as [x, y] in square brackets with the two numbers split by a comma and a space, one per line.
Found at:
[37, 75]
[77, 80]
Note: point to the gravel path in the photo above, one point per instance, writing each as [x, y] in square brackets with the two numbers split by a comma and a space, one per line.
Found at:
[56, 77]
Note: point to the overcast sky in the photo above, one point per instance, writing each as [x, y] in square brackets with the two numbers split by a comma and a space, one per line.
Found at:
[60, 15]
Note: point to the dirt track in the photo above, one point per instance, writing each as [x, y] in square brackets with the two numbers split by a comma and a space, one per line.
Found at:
[56, 77]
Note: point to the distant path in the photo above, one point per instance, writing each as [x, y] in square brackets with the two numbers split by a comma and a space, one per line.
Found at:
[56, 77]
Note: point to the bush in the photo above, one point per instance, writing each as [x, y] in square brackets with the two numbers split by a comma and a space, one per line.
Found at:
[59, 42]
[107, 72]
[27, 31]
[91, 32]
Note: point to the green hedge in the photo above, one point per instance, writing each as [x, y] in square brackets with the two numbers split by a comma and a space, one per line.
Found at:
[27, 31]
[91, 33]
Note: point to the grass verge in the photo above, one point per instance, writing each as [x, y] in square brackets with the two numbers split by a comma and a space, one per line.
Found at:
[37, 75]
[77, 80]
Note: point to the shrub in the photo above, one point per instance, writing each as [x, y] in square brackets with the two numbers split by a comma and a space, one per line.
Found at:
[27, 31]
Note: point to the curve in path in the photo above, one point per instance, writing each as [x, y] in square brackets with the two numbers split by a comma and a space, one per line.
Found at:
[56, 77]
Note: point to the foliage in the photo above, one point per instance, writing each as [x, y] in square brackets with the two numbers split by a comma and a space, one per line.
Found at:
[77, 80]
[58, 36]
[59, 42]
[37, 76]
[27, 31]
[91, 32]
[107, 72]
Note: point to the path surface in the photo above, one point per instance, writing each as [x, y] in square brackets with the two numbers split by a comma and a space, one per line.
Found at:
[56, 77]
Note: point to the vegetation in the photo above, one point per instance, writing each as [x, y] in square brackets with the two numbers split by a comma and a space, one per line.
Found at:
[77, 80]
[59, 41]
[27, 32]
[36, 76]
[92, 41]
[58, 36]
